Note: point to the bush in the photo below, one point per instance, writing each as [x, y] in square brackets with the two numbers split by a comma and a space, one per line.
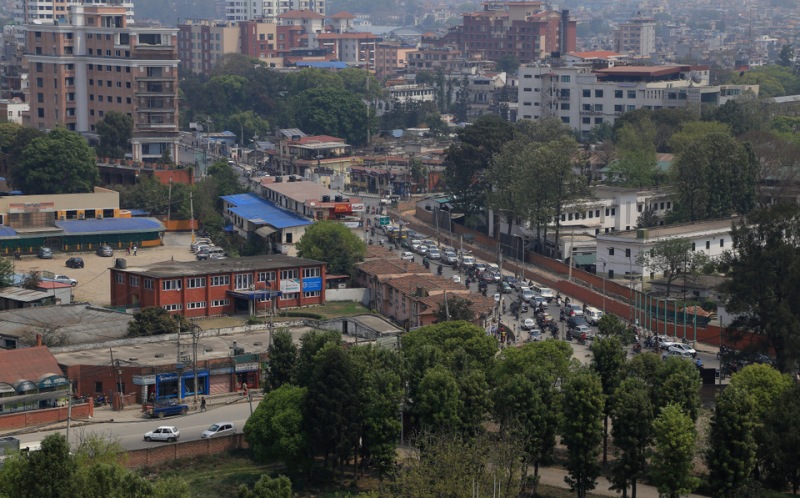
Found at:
[302, 314]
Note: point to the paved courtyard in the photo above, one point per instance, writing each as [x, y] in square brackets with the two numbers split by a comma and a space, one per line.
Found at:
[94, 280]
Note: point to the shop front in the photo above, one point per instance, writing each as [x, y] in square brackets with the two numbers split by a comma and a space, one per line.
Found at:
[172, 385]
[247, 371]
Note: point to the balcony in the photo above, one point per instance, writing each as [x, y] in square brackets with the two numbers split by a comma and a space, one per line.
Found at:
[155, 52]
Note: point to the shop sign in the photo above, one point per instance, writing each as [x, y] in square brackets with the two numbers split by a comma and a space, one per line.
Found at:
[357, 207]
[341, 208]
[247, 367]
[144, 380]
[30, 207]
[290, 286]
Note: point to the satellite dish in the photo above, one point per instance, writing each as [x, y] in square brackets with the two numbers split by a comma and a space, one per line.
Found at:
[397, 133]
[695, 77]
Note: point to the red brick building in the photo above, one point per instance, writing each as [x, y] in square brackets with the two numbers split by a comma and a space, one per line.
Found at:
[216, 287]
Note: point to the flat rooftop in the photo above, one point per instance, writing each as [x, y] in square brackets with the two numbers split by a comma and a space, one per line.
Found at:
[678, 230]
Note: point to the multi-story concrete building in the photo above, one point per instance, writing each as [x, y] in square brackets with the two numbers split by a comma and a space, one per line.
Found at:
[13, 109]
[636, 37]
[620, 251]
[96, 64]
[248, 10]
[352, 48]
[523, 30]
[51, 12]
[430, 58]
[391, 58]
[312, 22]
[583, 97]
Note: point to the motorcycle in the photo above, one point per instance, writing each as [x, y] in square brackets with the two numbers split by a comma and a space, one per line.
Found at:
[583, 338]
[637, 348]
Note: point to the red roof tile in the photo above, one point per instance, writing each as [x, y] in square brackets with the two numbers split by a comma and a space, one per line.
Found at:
[27, 363]
[343, 15]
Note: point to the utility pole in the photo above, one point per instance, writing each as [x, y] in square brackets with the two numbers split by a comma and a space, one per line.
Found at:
[191, 215]
[115, 366]
[446, 307]
[195, 338]
[179, 365]
[169, 202]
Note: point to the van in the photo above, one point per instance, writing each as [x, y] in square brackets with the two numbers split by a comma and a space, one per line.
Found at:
[212, 250]
[593, 315]
[545, 292]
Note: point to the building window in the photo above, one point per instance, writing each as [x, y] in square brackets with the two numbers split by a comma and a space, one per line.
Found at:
[148, 284]
[708, 244]
[266, 276]
[168, 285]
[610, 251]
[220, 280]
[311, 294]
[627, 253]
[722, 242]
[196, 283]
[631, 94]
[618, 94]
[217, 303]
[564, 78]
[134, 281]
[196, 305]
[587, 93]
[243, 280]
[173, 307]
[289, 274]
[119, 278]
[598, 94]
[610, 274]
[289, 296]
[311, 272]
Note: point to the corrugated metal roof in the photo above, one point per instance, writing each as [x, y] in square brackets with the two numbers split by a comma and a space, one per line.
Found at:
[80, 323]
[259, 211]
[7, 232]
[72, 227]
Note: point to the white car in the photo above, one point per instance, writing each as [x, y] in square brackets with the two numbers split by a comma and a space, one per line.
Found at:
[666, 341]
[527, 294]
[574, 309]
[456, 279]
[434, 253]
[65, 280]
[167, 433]
[581, 329]
[408, 256]
[683, 348]
[535, 335]
[219, 429]
[677, 354]
[528, 324]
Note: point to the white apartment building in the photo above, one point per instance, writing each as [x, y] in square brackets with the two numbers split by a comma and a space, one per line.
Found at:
[52, 12]
[618, 252]
[584, 98]
[13, 109]
[248, 10]
[636, 37]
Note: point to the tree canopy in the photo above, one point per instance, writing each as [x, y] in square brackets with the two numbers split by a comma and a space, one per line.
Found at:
[58, 163]
[155, 320]
[334, 243]
[115, 131]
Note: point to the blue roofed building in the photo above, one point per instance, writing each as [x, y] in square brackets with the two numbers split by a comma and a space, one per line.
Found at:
[259, 220]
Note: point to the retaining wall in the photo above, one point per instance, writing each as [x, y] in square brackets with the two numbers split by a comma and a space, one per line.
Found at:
[19, 420]
[165, 452]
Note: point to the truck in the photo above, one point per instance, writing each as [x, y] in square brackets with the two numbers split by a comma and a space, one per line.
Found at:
[166, 409]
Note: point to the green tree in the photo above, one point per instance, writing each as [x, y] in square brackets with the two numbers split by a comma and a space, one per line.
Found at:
[636, 162]
[731, 456]
[171, 487]
[311, 343]
[467, 160]
[282, 359]
[59, 163]
[632, 418]
[762, 266]
[454, 308]
[645, 367]
[334, 409]
[715, 177]
[786, 56]
[225, 179]
[782, 428]
[115, 131]
[276, 430]
[438, 403]
[742, 115]
[268, 487]
[671, 463]
[608, 361]
[330, 111]
[610, 325]
[508, 64]
[334, 243]
[48, 472]
[691, 131]
[248, 123]
[31, 280]
[677, 382]
[673, 257]
[778, 156]
[582, 430]
[154, 320]
[764, 384]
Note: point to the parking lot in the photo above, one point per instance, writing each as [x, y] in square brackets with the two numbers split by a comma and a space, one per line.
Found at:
[93, 279]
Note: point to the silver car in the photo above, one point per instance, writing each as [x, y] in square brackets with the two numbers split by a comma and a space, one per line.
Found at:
[167, 433]
[219, 429]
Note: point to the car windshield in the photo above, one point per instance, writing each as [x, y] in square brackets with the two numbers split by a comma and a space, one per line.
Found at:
[214, 428]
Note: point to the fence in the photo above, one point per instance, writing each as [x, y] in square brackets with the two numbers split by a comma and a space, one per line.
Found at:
[156, 455]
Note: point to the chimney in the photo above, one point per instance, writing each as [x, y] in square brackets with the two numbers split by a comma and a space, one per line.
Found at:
[38, 340]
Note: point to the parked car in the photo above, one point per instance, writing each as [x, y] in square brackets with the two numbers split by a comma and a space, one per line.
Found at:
[408, 256]
[167, 433]
[45, 253]
[683, 348]
[206, 254]
[434, 253]
[66, 280]
[75, 263]
[167, 409]
[528, 324]
[105, 251]
[198, 242]
[219, 429]
[217, 255]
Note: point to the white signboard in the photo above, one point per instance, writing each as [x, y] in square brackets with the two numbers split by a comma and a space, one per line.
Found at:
[290, 286]
[357, 207]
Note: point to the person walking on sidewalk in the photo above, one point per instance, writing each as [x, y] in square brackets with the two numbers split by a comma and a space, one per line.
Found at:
[203, 404]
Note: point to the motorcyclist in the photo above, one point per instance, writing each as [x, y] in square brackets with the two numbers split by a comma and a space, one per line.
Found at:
[439, 269]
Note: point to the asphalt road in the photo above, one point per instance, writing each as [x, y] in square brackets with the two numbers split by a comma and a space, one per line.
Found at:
[130, 432]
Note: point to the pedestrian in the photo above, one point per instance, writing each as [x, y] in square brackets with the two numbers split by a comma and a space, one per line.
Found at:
[135, 249]
[128, 250]
[203, 404]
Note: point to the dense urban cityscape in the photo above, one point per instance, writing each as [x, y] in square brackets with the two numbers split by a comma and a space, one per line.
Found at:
[265, 248]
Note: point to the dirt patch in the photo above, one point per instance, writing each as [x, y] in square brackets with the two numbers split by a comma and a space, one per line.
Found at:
[94, 281]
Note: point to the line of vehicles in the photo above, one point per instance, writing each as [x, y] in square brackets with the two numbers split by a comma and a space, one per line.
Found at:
[203, 248]
[171, 434]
